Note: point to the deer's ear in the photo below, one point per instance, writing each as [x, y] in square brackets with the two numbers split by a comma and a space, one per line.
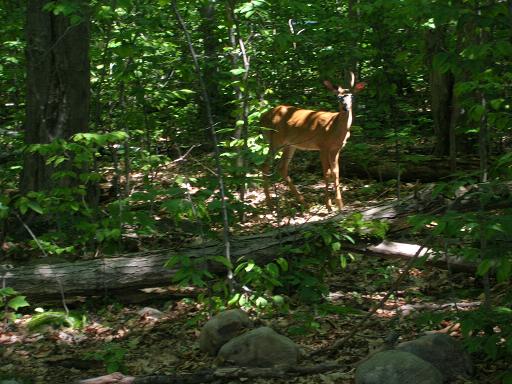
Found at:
[352, 79]
[330, 86]
[359, 87]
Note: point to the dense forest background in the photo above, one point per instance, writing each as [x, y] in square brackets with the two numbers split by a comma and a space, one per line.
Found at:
[113, 90]
[129, 125]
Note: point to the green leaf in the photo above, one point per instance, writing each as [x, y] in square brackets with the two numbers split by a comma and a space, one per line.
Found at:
[484, 267]
[34, 205]
[198, 281]
[234, 299]
[496, 103]
[7, 291]
[349, 238]
[237, 71]
[23, 205]
[49, 6]
[239, 268]
[477, 112]
[327, 237]
[504, 269]
[222, 260]
[55, 318]
[273, 269]
[464, 88]
[283, 263]
[17, 302]
[250, 265]
[343, 261]
[261, 302]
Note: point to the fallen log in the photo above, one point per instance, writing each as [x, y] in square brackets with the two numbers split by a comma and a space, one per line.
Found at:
[213, 375]
[393, 249]
[101, 276]
[146, 269]
[139, 270]
[408, 309]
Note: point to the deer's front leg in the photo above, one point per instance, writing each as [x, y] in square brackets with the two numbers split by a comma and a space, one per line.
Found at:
[335, 170]
[326, 169]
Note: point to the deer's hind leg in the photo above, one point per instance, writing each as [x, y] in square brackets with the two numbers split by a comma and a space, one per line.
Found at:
[266, 175]
[284, 165]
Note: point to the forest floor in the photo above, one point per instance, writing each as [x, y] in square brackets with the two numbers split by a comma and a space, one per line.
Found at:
[159, 338]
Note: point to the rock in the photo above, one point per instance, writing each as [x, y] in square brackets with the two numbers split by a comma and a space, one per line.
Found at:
[150, 313]
[222, 328]
[261, 347]
[397, 367]
[443, 352]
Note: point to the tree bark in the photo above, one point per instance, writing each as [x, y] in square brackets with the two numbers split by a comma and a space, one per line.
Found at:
[241, 95]
[147, 269]
[100, 276]
[441, 92]
[58, 87]
[210, 51]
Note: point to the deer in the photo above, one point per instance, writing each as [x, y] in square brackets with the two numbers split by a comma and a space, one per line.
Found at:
[290, 128]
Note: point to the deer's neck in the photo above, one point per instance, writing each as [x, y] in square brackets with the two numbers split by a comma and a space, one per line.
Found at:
[345, 117]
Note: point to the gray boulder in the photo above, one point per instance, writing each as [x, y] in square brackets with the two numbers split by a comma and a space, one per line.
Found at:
[261, 347]
[443, 352]
[221, 328]
[397, 367]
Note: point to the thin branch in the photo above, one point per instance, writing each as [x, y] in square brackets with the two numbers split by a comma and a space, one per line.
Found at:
[63, 297]
[359, 325]
[184, 156]
[31, 234]
[207, 104]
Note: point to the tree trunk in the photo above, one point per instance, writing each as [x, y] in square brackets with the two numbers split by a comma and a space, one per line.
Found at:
[441, 92]
[58, 89]
[207, 27]
[242, 97]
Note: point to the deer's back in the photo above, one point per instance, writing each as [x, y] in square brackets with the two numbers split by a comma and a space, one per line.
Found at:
[303, 128]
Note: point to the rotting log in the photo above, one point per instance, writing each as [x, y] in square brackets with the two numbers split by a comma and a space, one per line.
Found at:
[142, 270]
[378, 166]
[395, 250]
[146, 269]
[209, 375]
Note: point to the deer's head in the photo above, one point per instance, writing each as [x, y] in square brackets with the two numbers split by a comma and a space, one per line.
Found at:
[345, 95]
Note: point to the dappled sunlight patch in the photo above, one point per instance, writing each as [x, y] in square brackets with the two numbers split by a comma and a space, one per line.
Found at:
[171, 339]
[7, 338]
